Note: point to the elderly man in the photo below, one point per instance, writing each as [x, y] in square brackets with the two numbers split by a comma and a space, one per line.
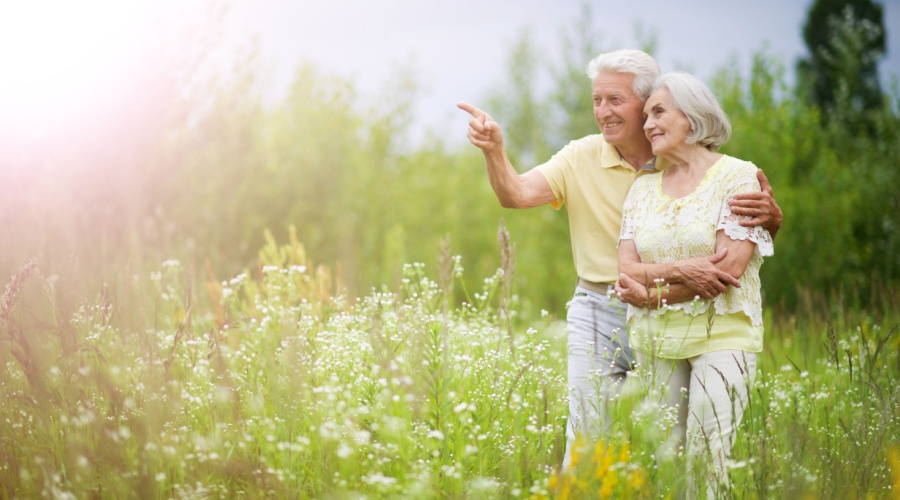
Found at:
[592, 176]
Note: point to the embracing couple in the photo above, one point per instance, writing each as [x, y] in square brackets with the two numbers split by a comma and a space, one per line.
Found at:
[660, 221]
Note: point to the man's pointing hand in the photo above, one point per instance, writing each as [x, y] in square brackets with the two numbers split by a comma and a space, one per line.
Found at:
[484, 132]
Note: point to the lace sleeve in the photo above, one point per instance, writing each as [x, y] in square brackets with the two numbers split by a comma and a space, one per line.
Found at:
[743, 182]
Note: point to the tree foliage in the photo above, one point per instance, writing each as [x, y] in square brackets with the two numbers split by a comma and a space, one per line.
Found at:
[204, 187]
[845, 38]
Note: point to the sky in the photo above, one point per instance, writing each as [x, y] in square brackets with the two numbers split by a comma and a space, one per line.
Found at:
[459, 48]
[66, 65]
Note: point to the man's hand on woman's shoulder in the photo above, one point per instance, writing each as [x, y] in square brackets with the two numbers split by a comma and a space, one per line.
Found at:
[761, 207]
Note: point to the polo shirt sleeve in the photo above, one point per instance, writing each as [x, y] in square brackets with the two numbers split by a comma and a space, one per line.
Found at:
[558, 172]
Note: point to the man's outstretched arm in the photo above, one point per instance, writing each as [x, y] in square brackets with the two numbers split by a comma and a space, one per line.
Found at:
[527, 190]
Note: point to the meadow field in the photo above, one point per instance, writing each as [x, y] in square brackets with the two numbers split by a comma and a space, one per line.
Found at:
[268, 385]
[208, 293]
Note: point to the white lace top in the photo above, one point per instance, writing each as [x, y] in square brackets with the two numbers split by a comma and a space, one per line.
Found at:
[666, 230]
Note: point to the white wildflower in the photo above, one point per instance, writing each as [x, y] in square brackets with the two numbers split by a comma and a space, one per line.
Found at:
[344, 450]
[379, 479]
[362, 437]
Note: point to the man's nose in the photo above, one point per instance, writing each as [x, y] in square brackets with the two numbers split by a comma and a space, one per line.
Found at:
[603, 109]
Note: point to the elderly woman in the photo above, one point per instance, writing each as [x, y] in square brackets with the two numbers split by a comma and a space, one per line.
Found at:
[700, 353]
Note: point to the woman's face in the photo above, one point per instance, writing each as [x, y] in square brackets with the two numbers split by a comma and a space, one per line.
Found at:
[666, 127]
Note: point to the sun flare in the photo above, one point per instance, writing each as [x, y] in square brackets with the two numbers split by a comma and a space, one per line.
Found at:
[57, 53]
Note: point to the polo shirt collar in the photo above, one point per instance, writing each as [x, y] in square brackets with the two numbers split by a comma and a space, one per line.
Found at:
[611, 158]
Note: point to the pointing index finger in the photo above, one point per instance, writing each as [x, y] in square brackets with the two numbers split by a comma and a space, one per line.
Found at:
[472, 110]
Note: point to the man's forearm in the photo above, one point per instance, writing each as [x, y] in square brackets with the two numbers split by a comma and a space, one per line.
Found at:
[504, 179]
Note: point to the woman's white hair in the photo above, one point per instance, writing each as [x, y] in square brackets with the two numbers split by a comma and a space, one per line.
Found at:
[636, 62]
[709, 124]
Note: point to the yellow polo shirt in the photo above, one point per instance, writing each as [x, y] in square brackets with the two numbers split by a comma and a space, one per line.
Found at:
[591, 179]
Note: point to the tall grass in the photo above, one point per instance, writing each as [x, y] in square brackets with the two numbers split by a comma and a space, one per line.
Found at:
[267, 383]
[270, 383]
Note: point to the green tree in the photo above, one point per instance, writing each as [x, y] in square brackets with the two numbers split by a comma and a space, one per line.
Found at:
[570, 99]
[845, 38]
[519, 106]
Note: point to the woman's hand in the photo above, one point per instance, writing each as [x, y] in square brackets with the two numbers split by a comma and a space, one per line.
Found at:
[701, 275]
[631, 292]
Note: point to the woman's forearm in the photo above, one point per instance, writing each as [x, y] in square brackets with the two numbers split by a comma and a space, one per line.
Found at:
[671, 294]
[648, 274]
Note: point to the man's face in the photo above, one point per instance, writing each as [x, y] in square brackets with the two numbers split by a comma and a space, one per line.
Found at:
[618, 111]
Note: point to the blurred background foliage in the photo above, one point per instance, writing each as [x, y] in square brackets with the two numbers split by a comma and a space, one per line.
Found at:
[201, 165]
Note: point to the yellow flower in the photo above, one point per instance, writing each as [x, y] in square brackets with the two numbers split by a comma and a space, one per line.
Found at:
[576, 450]
[564, 491]
[553, 481]
[603, 457]
[610, 481]
[562, 484]
[599, 449]
[893, 456]
[637, 479]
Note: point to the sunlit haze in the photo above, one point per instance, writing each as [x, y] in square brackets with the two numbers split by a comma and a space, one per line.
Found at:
[69, 62]
[59, 56]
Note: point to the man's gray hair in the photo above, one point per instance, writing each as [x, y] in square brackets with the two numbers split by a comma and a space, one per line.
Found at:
[636, 62]
[709, 123]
